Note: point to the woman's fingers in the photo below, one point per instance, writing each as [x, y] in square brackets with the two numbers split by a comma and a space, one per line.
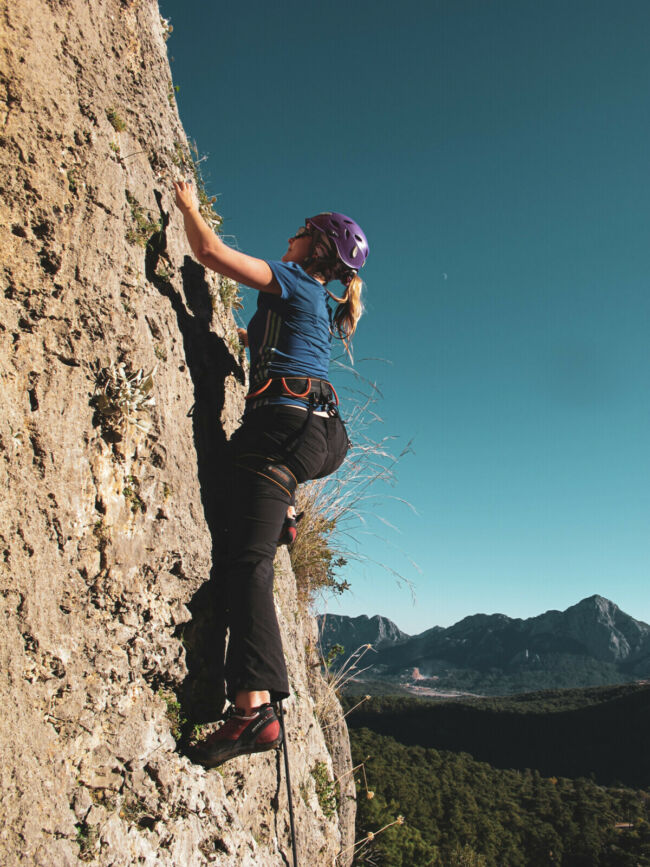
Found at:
[184, 194]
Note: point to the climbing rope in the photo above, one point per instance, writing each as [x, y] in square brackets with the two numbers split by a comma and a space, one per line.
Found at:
[288, 776]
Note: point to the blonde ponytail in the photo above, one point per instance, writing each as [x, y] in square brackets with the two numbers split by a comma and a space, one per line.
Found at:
[348, 311]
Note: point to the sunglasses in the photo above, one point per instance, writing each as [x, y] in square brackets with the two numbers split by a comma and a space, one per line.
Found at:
[302, 231]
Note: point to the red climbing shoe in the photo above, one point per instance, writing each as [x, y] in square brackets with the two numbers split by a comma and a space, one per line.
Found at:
[240, 734]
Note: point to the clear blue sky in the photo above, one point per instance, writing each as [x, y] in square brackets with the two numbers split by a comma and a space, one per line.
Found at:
[496, 154]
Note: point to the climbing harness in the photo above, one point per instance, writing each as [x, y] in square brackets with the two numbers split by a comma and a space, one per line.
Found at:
[318, 392]
[289, 797]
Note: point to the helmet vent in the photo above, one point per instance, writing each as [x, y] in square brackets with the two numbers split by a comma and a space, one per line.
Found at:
[354, 252]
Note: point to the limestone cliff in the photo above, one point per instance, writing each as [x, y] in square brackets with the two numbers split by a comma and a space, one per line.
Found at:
[111, 502]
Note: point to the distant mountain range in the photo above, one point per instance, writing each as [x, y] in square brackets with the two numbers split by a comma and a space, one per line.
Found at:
[592, 643]
[352, 632]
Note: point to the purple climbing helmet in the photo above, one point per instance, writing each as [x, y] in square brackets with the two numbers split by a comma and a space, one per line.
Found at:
[346, 235]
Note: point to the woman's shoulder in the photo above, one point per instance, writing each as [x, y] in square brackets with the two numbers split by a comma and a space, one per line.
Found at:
[292, 277]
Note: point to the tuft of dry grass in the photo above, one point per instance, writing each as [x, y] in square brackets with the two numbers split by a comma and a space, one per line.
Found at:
[116, 120]
[327, 707]
[338, 510]
[359, 846]
[124, 398]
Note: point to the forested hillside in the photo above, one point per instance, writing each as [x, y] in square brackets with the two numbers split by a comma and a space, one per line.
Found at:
[574, 733]
[458, 811]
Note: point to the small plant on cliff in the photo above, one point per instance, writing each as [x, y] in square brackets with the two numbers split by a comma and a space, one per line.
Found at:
[163, 272]
[326, 790]
[72, 180]
[174, 712]
[131, 493]
[102, 533]
[167, 28]
[314, 557]
[116, 121]
[335, 651]
[229, 293]
[87, 837]
[172, 90]
[123, 398]
[134, 810]
[144, 227]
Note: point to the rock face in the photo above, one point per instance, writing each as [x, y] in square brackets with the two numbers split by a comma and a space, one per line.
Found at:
[112, 480]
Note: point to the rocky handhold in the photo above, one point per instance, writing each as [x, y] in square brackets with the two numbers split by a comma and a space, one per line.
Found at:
[81, 803]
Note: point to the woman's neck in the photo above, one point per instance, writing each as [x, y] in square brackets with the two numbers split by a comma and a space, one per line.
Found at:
[314, 273]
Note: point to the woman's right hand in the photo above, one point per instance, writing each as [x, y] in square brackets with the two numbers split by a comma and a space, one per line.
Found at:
[243, 336]
[186, 198]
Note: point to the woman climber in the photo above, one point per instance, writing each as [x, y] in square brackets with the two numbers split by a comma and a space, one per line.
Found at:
[291, 432]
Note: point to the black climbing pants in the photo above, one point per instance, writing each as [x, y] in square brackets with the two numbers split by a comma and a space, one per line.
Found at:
[258, 506]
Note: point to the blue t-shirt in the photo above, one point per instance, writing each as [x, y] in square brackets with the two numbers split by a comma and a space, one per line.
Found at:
[290, 334]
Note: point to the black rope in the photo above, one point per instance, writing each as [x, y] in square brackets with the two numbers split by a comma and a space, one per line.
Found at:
[289, 797]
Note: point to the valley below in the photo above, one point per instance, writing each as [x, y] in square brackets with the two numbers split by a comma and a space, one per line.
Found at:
[499, 741]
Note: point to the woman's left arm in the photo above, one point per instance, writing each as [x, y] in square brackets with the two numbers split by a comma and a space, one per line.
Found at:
[214, 254]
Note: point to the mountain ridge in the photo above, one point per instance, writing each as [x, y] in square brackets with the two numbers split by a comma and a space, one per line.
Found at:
[590, 643]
